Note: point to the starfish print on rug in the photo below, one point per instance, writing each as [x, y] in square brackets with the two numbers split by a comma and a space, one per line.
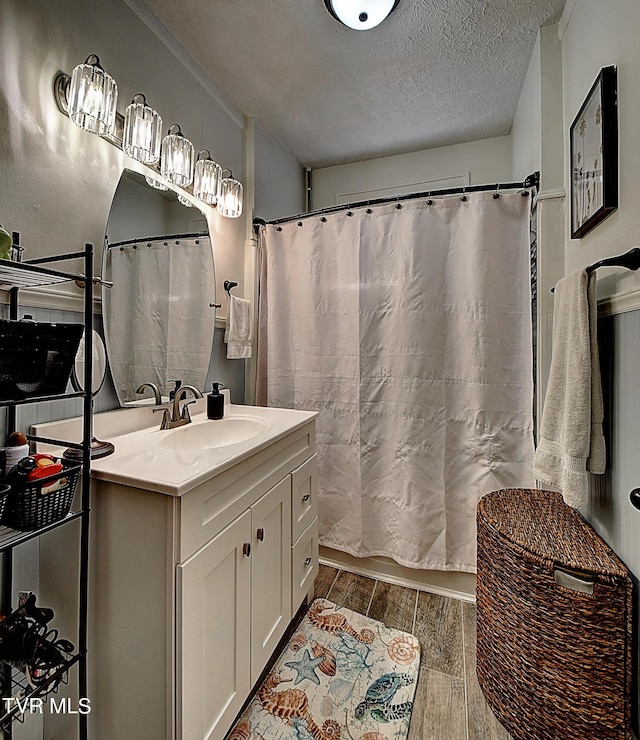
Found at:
[306, 667]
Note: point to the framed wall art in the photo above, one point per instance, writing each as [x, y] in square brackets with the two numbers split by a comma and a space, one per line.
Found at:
[593, 140]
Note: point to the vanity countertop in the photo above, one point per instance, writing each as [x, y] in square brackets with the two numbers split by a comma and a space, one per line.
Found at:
[159, 460]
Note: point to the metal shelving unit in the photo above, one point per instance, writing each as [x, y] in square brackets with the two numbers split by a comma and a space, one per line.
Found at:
[13, 277]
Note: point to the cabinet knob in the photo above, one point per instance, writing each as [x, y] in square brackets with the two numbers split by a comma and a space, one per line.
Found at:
[246, 549]
[306, 497]
[260, 534]
[307, 562]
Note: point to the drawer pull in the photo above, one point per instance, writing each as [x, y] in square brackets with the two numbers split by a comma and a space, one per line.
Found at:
[260, 534]
[246, 549]
[307, 562]
[306, 497]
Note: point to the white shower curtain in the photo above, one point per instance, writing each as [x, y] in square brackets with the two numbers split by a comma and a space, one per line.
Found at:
[409, 331]
[157, 314]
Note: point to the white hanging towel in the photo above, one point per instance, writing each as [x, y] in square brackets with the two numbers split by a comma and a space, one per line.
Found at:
[238, 334]
[571, 439]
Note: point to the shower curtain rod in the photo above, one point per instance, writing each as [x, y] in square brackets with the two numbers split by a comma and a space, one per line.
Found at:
[532, 181]
[166, 237]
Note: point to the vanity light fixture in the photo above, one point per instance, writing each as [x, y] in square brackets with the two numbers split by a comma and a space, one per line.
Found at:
[229, 196]
[92, 96]
[89, 97]
[361, 15]
[142, 133]
[185, 201]
[155, 183]
[176, 159]
[206, 179]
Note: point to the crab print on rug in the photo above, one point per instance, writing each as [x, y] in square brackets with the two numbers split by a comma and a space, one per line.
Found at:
[342, 676]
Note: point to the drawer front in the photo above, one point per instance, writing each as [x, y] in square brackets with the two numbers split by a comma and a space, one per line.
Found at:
[304, 496]
[213, 505]
[304, 565]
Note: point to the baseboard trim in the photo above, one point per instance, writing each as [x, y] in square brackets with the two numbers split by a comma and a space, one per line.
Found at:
[454, 585]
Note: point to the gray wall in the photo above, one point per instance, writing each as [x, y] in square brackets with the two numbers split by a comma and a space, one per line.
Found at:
[611, 512]
[279, 179]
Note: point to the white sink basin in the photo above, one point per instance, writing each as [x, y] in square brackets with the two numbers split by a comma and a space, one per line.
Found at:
[211, 434]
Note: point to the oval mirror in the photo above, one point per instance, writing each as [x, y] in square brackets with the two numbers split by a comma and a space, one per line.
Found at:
[158, 319]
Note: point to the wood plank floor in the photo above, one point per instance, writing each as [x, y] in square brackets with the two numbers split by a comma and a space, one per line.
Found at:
[449, 704]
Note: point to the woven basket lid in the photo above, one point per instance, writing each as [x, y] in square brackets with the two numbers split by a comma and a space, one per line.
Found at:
[541, 523]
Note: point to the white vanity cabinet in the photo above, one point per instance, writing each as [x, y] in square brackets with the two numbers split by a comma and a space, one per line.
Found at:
[192, 593]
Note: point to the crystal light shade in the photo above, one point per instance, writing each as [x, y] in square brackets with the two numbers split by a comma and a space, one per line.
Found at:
[230, 197]
[361, 15]
[185, 201]
[142, 131]
[155, 183]
[176, 159]
[92, 97]
[206, 178]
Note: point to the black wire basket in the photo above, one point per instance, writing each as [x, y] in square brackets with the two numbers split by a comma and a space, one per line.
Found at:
[36, 358]
[39, 503]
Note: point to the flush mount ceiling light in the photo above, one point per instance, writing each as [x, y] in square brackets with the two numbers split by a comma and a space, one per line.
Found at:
[361, 15]
[142, 131]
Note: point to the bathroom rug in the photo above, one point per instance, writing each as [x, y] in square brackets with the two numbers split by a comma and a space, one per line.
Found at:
[341, 676]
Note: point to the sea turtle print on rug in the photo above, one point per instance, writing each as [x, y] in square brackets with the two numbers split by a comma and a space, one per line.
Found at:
[342, 676]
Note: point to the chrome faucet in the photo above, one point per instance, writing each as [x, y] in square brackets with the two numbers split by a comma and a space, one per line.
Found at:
[175, 418]
[155, 389]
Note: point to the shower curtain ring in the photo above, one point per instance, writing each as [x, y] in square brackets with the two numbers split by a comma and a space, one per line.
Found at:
[464, 194]
[398, 204]
[496, 195]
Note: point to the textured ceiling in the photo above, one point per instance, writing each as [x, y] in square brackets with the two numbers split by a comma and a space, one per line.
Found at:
[436, 72]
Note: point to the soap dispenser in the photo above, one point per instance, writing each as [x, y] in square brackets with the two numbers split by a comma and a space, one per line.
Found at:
[172, 392]
[215, 402]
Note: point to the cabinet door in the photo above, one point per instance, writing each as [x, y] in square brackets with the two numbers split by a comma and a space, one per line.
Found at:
[213, 595]
[271, 573]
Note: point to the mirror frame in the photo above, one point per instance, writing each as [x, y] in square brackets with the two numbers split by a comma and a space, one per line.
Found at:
[207, 211]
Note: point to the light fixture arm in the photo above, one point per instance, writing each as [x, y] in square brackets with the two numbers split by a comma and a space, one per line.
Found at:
[175, 130]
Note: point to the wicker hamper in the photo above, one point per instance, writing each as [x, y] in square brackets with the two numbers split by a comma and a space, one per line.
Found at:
[554, 662]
